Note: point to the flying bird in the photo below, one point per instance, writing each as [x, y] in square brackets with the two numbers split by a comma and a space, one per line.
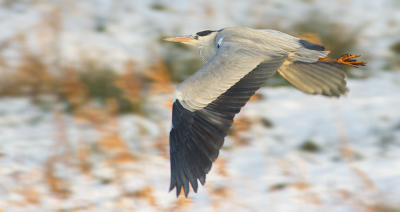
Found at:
[238, 62]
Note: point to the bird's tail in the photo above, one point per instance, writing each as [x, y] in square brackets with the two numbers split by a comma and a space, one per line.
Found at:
[315, 78]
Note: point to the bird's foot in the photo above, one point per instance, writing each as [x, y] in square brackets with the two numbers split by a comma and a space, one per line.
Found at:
[348, 59]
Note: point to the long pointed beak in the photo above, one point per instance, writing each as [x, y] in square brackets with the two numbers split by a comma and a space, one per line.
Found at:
[182, 39]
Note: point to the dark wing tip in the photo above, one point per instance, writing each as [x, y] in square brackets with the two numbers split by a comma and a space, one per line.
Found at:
[186, 192]
[178, 190]
[185, 189]
[173, 184]
[202, 181]
[311, 46]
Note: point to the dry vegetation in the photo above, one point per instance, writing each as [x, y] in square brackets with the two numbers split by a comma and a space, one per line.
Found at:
[96, 96]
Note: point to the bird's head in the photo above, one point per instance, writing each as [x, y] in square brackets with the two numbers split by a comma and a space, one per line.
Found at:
[203, 38]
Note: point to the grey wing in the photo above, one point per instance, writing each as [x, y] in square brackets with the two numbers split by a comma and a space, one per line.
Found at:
[231, 63]
[203, 114]
[315, 78]
[304, 72]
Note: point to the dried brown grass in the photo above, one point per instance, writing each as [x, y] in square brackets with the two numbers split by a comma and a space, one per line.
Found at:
[182, 204]
[32, 78]
[83, 158]
[57, 185]
[31, 195]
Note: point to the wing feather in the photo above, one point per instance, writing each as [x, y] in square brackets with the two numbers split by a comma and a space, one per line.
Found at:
[193, 151]
[228, 66]
[316, 78]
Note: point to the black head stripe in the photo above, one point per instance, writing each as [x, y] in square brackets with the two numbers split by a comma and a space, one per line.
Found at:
[205, 32]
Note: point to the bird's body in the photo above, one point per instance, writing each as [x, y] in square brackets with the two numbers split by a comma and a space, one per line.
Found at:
[239, 62]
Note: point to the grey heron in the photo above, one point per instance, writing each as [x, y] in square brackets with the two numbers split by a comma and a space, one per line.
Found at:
[238, 62]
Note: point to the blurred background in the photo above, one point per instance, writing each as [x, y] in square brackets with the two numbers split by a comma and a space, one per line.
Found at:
[86, 89]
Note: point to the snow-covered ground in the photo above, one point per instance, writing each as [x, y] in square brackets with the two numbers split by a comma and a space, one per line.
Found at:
[320, 154]
[269, 172]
